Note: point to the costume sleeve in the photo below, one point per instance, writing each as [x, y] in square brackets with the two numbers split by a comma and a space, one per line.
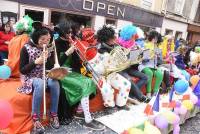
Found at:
[1, 41]
[25, 65]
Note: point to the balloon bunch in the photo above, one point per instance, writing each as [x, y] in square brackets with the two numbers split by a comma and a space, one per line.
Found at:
[5, 72]
[6, 114]
[148, 129]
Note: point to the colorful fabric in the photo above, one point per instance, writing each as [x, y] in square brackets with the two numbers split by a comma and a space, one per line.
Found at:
[5, 37]
[37, 72]
[165, 48]
[14, 49]
[126, 43]
[77, 86]
[151, 73]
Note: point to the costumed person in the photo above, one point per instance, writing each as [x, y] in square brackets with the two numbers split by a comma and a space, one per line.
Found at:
[127, 37]
[110, 82]
[180, 63]
[169, 54]
[149, 65]
[5, 36]
[23, 28]
[75, 87]
[32, 58]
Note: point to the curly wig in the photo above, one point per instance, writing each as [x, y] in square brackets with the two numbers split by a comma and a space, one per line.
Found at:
[127, 32]
[105, 34]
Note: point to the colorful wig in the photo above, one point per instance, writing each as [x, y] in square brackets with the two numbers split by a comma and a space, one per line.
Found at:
[24, 24]
[126, 35]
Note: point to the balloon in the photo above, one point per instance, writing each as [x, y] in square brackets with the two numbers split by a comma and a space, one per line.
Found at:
[6, 114]
[5, 72]
[176, 110]
[188, 104]
[135, 131]
[198, 103]
[170, 116]
[176, 129]
[150, 129]
[178, 104]
[161, 122]
[194, 80]
[182, 110]
[194, 99]
[177, 120]
[181, 86]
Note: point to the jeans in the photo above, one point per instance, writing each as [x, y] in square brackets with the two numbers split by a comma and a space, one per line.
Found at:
[135, 87]
[54, 88]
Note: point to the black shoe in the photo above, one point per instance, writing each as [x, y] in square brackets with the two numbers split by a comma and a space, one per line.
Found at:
[95, 125]
[65, 121]
[123, 108]
[145, 99]
[38, 128]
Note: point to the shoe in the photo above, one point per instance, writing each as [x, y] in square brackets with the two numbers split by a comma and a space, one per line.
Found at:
[133, 101]
[95, 125]
[38, 128]
[79, 116]
[123, 108]
[65, 121]
[145, 99]
[54, 122]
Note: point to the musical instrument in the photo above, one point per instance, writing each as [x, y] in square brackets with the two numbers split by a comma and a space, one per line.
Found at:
[86, 53]
[57, 72]
[44, 82]
[120, 60]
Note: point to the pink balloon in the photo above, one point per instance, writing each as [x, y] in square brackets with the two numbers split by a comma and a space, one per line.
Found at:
[176, 110]
[177, 120]
[161, 122]
[6, 114]
[176, 129]
[182, 110]
[194, 99]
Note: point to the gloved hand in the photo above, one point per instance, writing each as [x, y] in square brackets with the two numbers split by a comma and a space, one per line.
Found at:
[70, 50]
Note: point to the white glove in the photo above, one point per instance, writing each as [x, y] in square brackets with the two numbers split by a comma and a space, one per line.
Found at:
[70, 50]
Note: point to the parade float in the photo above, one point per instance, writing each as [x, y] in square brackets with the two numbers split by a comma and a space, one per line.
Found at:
[163, 114]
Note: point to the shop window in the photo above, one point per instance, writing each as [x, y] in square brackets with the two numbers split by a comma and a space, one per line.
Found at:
[168, 32]
[35, 15]
[8, 16]
[110, 22]
[175, 6]
[56, 17]
[197, 17]
[178, 35]
[147, 4]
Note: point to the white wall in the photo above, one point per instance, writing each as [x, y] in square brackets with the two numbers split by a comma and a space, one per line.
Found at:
[175, 26]
[8, 6]
[122, 23]
[98, 22]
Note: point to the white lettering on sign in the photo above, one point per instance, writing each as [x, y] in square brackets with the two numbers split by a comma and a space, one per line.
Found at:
[101, 6]
[119, 11]
[110, 9]
[90, 3]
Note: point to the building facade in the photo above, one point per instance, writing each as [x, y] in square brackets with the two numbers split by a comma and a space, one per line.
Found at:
[86, 12]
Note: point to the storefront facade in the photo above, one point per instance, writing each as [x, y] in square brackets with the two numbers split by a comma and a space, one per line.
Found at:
[96, 12]
[174, 27]
[193, 33]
